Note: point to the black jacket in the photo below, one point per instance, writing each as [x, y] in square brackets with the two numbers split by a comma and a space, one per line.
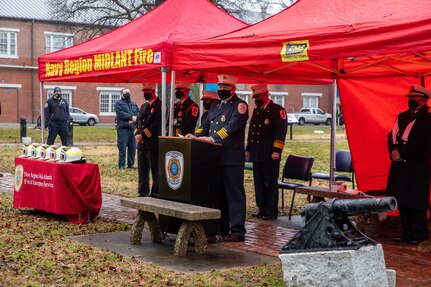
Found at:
[267, 132]
[125, 110]
[186, 116]
[409, 179]
[149, 124]
[56, 110]
[226, 125]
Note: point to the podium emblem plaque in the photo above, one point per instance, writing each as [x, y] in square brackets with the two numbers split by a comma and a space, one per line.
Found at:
[174, 164]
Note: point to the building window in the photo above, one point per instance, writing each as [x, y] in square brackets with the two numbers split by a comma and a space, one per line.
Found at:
[310, 100]
[107, 102]
[243, 95]
[8, 43]
[57, 41]
[278, 97]
[65, 94]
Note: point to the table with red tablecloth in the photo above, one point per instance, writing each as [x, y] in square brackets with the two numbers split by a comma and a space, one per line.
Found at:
[61, 188]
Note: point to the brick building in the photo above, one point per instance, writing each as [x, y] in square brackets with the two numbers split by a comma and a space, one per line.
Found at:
[27, 32]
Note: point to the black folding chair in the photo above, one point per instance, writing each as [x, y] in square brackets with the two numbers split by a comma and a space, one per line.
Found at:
[343, 163]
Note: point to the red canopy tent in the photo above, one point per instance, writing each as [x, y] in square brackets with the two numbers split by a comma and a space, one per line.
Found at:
[374, 49]
[140, 51]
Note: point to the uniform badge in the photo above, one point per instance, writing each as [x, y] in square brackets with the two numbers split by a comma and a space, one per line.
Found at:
[223, 118]
[180, 113]
[283, 114]
[152, 110]
[242, 108]
[195, 111]
[266, 121]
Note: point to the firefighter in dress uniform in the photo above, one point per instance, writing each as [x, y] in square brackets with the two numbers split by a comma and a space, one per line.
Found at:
[265, 143]
[208, 98]
[226, 124]
[409, 145]
[147, 138]
[186, 111]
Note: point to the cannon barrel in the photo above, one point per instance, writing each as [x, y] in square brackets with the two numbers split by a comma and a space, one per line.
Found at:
[352, 207]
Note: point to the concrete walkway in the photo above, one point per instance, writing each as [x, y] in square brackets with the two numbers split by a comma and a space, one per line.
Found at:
[267, 238]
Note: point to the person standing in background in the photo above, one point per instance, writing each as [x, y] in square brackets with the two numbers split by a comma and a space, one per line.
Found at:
[56, 115]
[186, 111]
[126, 112]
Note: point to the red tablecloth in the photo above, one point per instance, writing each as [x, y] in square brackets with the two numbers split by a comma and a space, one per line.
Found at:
[61, 188]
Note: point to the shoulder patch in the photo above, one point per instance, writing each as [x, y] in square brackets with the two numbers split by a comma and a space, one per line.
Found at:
[283, 114]
[195, 111]
[242, 108]
[46, 105]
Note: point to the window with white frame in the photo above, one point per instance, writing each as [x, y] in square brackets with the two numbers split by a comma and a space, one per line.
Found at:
[108, 98]
[243, 95]
[8, 43]
[65, 94]
[57, 41]
[310, 100]
[278, 97]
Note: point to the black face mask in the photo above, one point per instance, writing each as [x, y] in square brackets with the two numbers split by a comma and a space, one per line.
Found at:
[148, 96]
[179, 94]
[57, 96]
[413, 105]
[224, 94]
[258, 103]
[126, 96]
[206, 106]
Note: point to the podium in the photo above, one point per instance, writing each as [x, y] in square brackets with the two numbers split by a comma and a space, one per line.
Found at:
[189, 172]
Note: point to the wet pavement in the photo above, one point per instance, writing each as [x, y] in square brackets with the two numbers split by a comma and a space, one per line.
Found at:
[263, 242]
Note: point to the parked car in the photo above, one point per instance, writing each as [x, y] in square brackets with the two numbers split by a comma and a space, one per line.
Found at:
[82, 117]
[313, 116]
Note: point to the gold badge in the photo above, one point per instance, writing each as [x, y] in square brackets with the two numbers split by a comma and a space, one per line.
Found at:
[266, 121]
[223, 118]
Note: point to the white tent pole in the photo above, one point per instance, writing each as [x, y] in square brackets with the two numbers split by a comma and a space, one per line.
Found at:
[42, 115]
[171, 107]
[164, 70]
[333, 136]
[201, 106]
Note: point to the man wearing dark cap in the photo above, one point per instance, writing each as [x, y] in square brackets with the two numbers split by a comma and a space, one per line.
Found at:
[56, 115]
[409, 145]
[225, 124]
[147, 137]
[265, 143]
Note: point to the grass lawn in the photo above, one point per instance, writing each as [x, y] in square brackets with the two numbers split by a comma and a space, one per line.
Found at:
[34, 251]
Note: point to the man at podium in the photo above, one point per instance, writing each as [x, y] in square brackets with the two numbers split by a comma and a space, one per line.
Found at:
[226, 124]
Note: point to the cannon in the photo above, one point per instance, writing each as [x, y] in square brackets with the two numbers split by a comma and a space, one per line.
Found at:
[328, 227]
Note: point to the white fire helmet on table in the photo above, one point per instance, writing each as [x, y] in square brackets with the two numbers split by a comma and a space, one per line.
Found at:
[71, 154]
[54, 154]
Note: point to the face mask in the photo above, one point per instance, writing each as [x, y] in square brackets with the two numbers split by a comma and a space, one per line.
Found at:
[179, 94]
[148, 96]
[413, 105]
[224, 94]
[259, 103]
[126, 96]
[206, 106]
[57, 96]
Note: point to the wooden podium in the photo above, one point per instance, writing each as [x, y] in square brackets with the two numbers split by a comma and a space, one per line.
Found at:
[189, 172]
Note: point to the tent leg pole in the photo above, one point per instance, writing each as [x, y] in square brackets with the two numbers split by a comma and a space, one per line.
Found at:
[171, 106]
[333, 136]
[42, 115]
[164, 70]
[201, 106]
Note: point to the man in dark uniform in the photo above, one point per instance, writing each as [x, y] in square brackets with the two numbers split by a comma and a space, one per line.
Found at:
[146, 135]
[56, 115]
[208, 98]
[186, 111]
[225, 124]
[409, 175]
[265, 142]
[126, 111]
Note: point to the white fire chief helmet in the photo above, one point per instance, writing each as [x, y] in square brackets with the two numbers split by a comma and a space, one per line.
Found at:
[71, 154]
[54, 155]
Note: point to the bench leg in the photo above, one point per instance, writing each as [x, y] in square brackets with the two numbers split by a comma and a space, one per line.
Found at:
[195, 229]
[138, 226]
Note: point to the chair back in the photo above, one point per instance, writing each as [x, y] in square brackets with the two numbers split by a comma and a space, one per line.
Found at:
[343, 161]
[298, 167]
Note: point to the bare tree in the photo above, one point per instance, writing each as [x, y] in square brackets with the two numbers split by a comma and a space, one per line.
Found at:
[100, 15]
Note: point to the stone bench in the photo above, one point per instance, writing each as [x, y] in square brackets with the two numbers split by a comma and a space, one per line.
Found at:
[191, 215]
